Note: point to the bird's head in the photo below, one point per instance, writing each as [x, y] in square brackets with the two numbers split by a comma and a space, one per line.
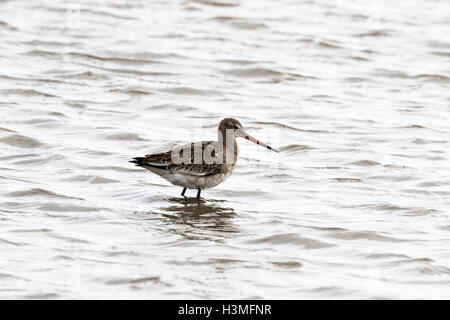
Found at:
[231, 126]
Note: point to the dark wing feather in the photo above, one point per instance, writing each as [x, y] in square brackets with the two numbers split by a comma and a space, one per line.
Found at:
[164, 161]
[157, 160]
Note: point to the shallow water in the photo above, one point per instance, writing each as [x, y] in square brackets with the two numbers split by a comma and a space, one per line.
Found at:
[354, 93]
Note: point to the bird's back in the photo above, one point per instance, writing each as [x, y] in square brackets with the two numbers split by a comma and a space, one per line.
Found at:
[197, 158]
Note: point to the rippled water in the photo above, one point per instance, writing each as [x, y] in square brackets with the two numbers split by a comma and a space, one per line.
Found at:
[354, 93]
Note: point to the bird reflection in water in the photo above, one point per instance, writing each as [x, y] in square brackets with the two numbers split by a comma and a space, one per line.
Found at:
[195, 219]
[204, 219]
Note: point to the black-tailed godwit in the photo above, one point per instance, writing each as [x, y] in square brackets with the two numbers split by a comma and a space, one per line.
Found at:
[200, 165]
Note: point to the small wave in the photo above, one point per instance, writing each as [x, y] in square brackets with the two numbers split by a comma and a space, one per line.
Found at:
[192, 91]
[27, 93]
[355, 79]
[427, 141]
[408, 260]
[124, 137]
[91, 179]
[134, 91]
[42, 296]
[288, 264]
[391, 74]
[78, 75]
[21, 141]
[112, 168]
[387, 208]
[326, 168]
[358, 235]
[281, 125]
[7, 276]
[120, 253]
[357, 58]
[34, 80]
[328, 45]
[439, 78]
[62, 257]
[365, 163]
[134, 280]
[67, 238]
[387, 256]
[239, 23]
[31, 230]
[373, 33]
[7, 26]
[294, 239]
[48, 43]
[321, 43]
[225, 261]
[116, 59]
[38, 192]
[296, 147]
[292, 75]
[433, 78]
[423, 266]
[37, 161]
[41, 53]
[412, 126]
[434, 270]
[253, 73]
[171, 107]
[238, 61]
[59, 207]
[43, 121]
[441, 53]
[433, 184]
[87, 10]
[106, 14]
[247, 25]
[129, 71]
[346, 180]
[7, 130]
[439, 44]
[9, 242]
[217, 3]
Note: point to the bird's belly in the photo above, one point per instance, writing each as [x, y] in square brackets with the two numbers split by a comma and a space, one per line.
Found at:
[195, 182]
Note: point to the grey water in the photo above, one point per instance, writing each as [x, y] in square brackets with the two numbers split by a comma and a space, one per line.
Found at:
[355, 94]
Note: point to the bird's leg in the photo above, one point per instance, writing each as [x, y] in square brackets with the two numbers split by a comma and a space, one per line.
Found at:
[184, 190]
[198, 193]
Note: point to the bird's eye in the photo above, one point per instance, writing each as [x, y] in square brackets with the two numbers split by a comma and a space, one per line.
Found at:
[235, 127]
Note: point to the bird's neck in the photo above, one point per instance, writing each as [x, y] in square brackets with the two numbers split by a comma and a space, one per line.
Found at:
[229, 147]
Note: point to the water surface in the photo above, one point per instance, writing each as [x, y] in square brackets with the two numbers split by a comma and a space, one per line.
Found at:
[354, 93]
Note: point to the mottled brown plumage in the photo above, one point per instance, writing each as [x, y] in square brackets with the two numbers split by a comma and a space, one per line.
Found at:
[195, 166]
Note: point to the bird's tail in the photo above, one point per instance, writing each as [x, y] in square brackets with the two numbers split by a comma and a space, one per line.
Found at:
[138, 161]
[143, 162]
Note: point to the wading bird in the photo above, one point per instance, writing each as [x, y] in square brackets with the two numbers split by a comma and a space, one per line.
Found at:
[200, 165]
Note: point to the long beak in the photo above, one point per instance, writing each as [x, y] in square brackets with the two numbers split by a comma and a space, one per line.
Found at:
[260, 143]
